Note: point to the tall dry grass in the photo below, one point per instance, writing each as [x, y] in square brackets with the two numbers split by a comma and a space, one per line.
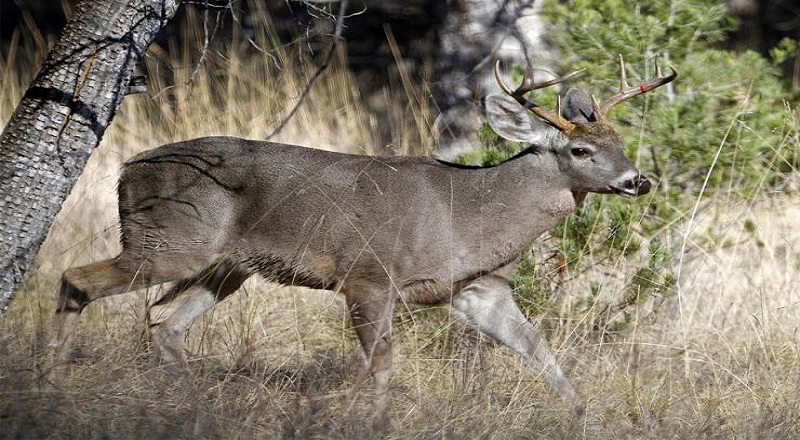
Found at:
[723, 362]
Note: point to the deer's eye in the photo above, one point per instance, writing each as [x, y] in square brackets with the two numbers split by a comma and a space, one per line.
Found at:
[580, 152]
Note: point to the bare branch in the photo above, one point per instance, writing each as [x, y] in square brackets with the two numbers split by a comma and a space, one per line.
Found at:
[208, 37]
[337, 36]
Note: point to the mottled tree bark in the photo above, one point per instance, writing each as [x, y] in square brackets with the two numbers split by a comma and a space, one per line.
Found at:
[62, 118]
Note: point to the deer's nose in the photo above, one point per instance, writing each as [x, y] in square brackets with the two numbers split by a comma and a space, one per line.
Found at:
[639, 185]
[633, 187]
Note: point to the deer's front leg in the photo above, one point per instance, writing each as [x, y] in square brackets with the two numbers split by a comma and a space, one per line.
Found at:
[487, 305]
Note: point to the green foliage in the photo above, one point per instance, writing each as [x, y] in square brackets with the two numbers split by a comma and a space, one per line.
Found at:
[495, 149]
[785, 50]
[599, 221]
[532, 287]
[725, 126]
[722, 101]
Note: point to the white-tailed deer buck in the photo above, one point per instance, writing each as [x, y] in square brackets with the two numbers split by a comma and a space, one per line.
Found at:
[208, 213]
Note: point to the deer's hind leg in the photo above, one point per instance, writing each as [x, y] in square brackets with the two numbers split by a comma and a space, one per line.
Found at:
[83, 285]
[171, 317]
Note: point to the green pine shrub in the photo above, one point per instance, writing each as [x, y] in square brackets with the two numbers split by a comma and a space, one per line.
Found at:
[727, 127]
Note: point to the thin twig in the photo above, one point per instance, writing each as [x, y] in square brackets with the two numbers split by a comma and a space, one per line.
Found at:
[208, 37]
[320, 70]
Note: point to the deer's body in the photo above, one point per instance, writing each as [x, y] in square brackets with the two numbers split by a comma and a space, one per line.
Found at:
[326, 220]
[208, 213]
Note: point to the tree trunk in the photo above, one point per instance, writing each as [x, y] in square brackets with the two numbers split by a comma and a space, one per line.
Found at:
[62, 118]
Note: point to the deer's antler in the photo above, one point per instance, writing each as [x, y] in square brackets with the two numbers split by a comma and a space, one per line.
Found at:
[626, 91]
[528, 85]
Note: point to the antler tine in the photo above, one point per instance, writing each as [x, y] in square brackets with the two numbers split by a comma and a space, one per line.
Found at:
[626, 91]
[623, 74]
[658, 68]
[528, 85]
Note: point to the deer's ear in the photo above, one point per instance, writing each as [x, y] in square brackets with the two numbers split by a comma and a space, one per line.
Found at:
[510, 120]
[577, 107]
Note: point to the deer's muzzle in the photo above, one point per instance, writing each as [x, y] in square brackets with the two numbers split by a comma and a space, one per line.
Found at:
[637, 186]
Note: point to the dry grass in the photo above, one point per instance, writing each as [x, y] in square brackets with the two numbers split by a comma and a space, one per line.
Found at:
[723, 362]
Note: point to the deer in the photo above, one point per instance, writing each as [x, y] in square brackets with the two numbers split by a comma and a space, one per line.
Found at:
[382, 232]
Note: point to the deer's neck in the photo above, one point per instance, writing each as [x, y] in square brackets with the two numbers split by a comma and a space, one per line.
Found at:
[517, 201]
[532, 182]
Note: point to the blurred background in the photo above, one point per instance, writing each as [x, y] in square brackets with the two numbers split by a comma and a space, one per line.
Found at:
[448, 45]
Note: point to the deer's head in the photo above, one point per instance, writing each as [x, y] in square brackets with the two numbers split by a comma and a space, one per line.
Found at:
[588, 149]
